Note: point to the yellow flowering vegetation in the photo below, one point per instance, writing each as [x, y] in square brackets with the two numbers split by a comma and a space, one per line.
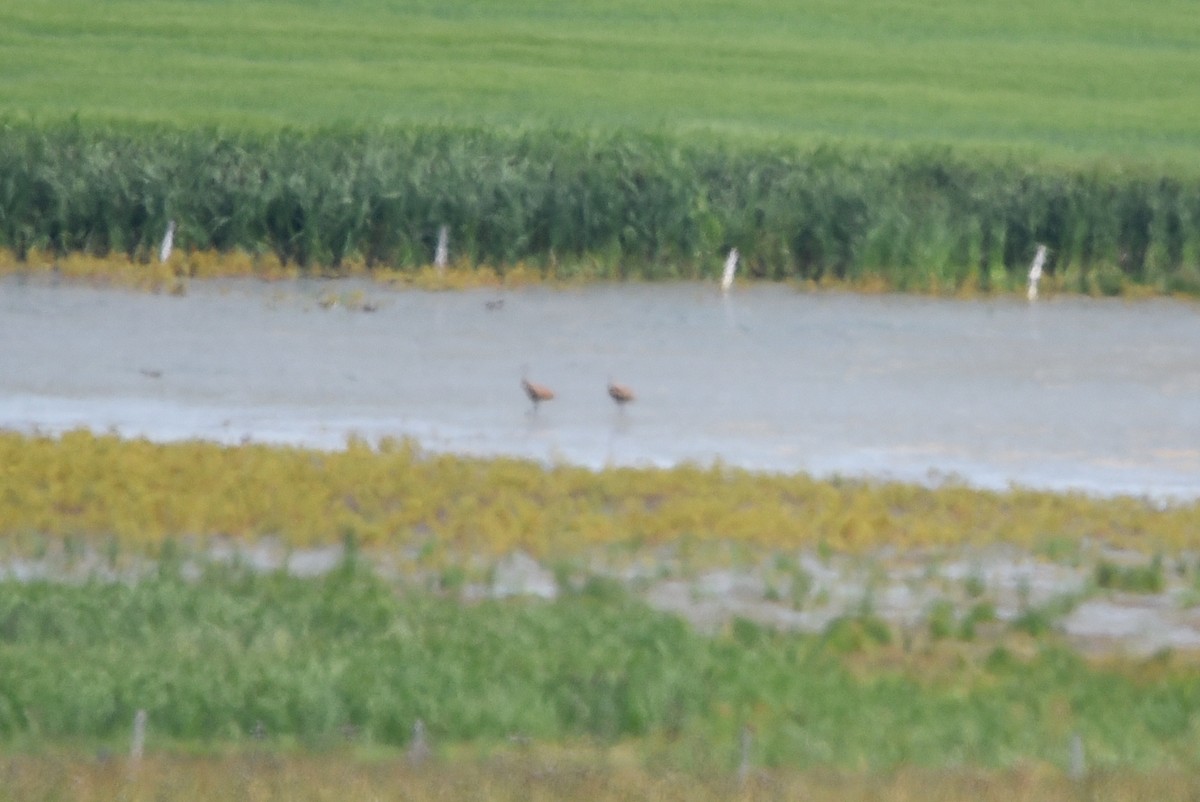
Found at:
[138, 494]
[148, 274]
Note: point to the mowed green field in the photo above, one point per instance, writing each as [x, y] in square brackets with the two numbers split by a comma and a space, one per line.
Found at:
[1112, 79]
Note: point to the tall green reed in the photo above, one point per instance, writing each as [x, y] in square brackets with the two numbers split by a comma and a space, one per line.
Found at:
[635, 205]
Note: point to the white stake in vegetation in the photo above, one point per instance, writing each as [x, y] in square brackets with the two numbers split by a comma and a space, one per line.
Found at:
[441, 254]
[419, 750]
[731, 262]
[138, 746]
[1035, 272]
[1076, 762]
[168, 242]
[745, 747]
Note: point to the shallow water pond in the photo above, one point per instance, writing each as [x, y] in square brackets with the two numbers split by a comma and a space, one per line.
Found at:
[1100, 395]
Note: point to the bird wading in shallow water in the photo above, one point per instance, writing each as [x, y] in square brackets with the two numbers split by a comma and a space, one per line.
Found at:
[620, 393]
[537, 392]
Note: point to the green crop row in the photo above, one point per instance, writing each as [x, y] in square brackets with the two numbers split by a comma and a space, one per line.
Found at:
[230, 653]
[1042, 77]
[607, 205]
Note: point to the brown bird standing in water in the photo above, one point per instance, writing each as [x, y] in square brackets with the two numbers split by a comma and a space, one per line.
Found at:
[620, 393]
[537, 392]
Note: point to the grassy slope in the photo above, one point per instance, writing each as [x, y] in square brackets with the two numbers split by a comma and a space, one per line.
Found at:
[1119, 80]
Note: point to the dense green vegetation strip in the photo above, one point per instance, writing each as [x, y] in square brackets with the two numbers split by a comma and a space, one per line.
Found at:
[595, 205]
[216, 658]
[137, 494]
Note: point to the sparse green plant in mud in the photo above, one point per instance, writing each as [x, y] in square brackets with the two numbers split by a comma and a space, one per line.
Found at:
[940, 619]
[1144, 578]
[982, 612]
[1038, 620]
[856, 632]
[801, 587]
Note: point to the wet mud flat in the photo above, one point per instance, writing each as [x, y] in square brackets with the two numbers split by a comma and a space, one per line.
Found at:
[1103, 602]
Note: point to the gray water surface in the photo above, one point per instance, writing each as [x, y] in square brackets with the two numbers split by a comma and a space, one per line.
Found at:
[1064, 393]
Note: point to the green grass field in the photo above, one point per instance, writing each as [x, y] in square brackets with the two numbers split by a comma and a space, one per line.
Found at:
[1112, 80]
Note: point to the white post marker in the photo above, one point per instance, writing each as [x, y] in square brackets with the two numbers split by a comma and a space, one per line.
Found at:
[745, 745]
[168, 242]
[419, 750]
[731, 262]
[1035, 271]
[441, 255]
[1076, 763]
[138, 746]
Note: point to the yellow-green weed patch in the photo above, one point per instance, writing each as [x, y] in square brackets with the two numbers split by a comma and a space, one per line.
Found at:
[140, 493]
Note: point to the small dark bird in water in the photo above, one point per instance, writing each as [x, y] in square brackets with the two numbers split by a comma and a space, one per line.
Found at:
[494, 306]
[150, 373]
[620, 393]
[537, 392]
